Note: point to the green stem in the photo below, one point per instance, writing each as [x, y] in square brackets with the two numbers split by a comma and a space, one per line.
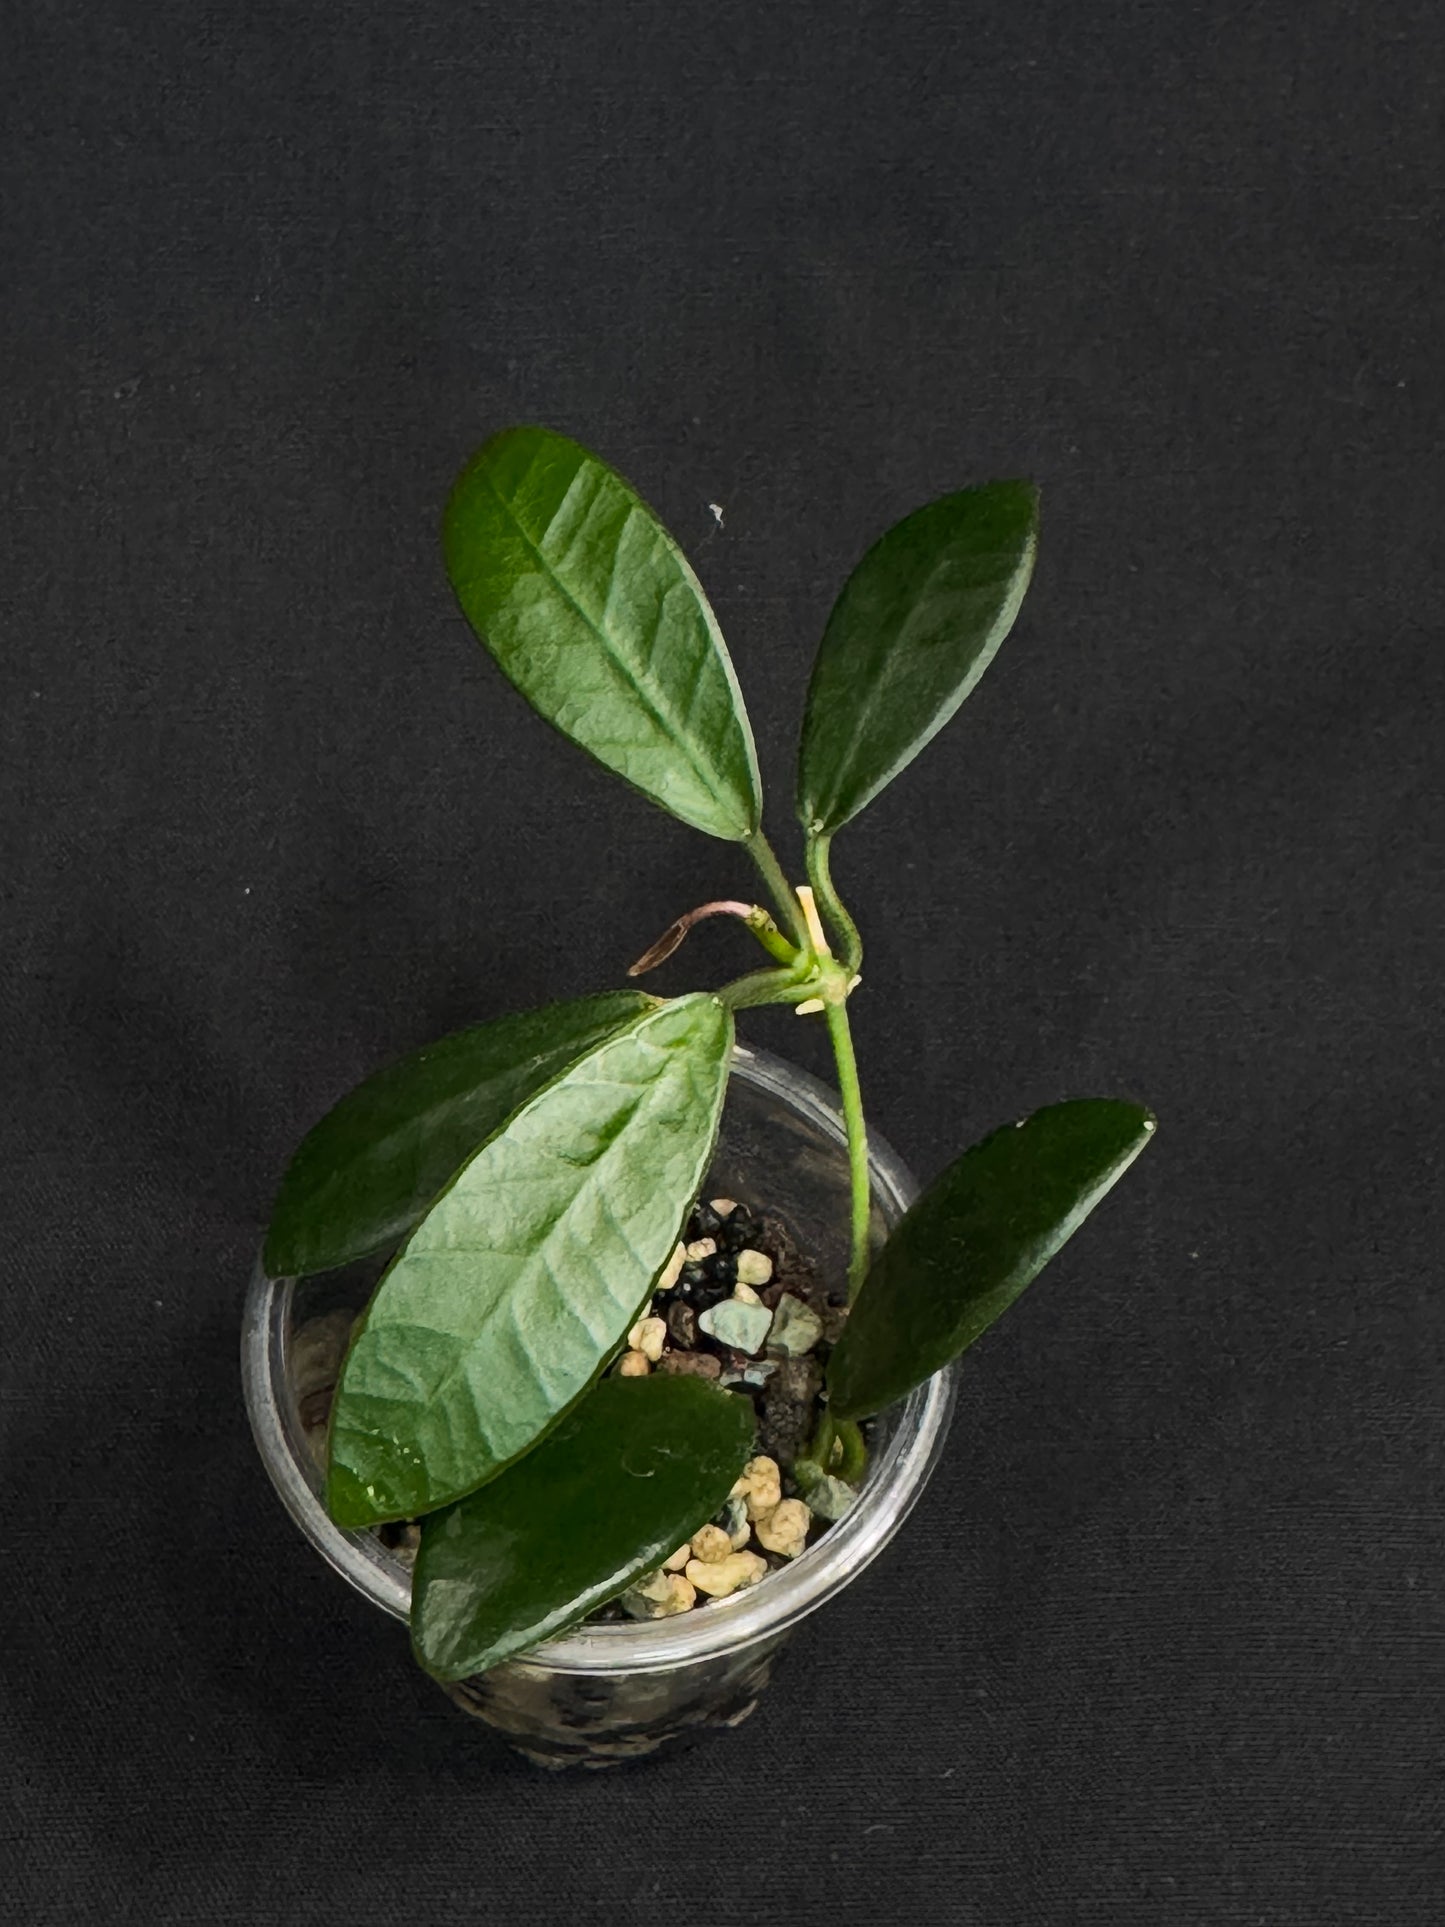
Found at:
[820, 1447]
[770, 937]
[829, 902]
[842, 1039]
[765, 987]
[855, 1452]
[784, 895]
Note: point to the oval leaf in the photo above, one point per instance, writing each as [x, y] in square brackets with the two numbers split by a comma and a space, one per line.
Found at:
[620, 1483]
[524, 1276]
[367, 1172]
[591, 610]
[977, 1236]
[918, 622]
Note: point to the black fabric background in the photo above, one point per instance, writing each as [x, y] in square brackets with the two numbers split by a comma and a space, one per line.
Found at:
[1163, 1642]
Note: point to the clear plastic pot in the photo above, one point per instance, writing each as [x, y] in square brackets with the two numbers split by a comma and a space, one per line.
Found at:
[612, 1691]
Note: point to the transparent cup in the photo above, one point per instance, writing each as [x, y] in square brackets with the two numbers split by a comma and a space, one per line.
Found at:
[612, 1691]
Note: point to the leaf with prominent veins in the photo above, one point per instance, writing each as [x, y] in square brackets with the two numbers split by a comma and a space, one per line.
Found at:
[523, 1278]
[371, 1168]
[592, 611]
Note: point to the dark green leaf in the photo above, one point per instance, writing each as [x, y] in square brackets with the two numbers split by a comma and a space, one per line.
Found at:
[524, 1276]
[623, 1480]
[591, 609]
[918, 622]
[967, 1248]
[368, 1171]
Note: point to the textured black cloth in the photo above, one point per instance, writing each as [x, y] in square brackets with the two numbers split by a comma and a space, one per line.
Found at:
[1162, 1644]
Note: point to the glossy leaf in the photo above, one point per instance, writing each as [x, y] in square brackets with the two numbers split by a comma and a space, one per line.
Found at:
[592, 611]
[368, 1171]
[622, 1481]
[917, 623]
[963, 1253]
[523, 1278]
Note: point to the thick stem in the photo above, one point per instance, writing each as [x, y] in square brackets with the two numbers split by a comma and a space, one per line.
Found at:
[842, 1038]
[763, 854]
[828, 900]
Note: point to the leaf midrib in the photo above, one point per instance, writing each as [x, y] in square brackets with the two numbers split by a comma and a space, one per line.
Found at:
[455, 1372]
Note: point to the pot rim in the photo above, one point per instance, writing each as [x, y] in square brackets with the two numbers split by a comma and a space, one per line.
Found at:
[896, 1477]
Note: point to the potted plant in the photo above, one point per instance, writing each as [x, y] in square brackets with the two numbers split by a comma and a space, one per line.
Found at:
[617, 1332]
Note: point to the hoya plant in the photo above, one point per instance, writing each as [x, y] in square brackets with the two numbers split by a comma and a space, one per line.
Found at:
[529, 1179]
